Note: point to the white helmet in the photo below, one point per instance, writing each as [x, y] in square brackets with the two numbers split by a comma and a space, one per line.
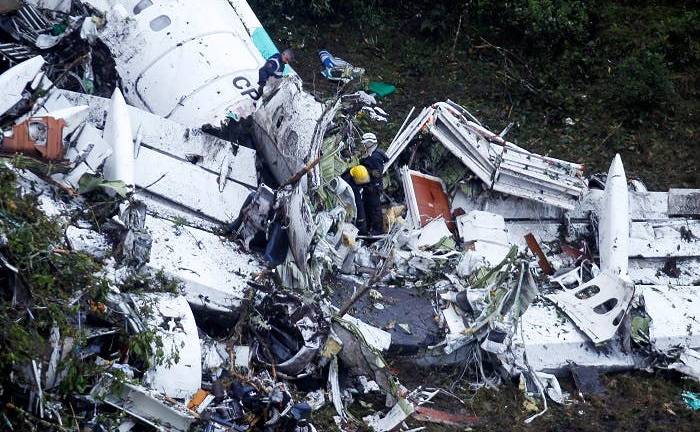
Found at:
[369, 138]
[369, 142]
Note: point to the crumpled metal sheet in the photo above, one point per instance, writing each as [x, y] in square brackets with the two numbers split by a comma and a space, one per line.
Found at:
[214, 273]
[549, 343]
[146, 405]
[289, 127]
[293, 333]
[385, 423]
[164, 135]
[300, 226]
[598, 306]
[673, 311]
[688, 363]
[360, 358]
[500, 165]
[180, 375]
[136, 245]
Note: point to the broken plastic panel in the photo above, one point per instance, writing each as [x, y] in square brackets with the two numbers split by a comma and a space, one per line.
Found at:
[14, 80]
[426, 198]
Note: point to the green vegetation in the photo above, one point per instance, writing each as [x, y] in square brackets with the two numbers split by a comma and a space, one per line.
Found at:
[49, 276]
[151, 283]
[56, 287]
[626, 73]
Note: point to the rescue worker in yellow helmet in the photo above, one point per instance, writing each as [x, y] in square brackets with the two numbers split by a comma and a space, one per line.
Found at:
[373, 159]
[359, 174]
[357, 177]
[366, 182]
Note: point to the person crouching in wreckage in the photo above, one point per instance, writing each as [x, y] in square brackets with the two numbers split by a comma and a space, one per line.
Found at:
[274, 68]
[366, 182]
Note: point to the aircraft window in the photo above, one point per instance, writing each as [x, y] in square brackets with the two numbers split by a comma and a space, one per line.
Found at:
[140, 6]
[160, 22]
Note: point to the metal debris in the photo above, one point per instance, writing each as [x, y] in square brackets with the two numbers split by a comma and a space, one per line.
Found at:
[228, 304]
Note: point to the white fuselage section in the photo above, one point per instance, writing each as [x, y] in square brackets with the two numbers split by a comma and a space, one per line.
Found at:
[183, 64]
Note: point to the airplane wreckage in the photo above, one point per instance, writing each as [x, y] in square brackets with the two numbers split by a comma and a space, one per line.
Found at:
[512, 264]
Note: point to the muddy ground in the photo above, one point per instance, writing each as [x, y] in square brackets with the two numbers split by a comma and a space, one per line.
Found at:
[659, 148]
[633, 402]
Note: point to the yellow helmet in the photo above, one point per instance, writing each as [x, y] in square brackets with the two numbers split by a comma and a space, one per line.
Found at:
[359, 174]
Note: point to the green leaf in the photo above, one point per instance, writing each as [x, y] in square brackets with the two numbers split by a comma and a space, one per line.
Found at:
[89, 183]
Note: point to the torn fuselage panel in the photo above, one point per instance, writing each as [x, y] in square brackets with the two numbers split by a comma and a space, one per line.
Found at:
[179, 375]
[288, 128]
[215, 273]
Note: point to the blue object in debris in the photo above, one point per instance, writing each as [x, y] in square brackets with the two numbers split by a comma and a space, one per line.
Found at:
[692, 400]
[326, 59]
[277, 246]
